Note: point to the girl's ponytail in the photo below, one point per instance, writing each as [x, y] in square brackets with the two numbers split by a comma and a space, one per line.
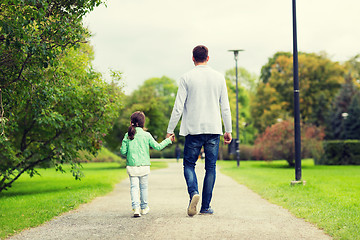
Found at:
[131, 131]
[137, 120]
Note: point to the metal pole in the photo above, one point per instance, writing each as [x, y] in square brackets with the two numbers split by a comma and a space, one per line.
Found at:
[237, 113]
[296, 99]
[237, 141]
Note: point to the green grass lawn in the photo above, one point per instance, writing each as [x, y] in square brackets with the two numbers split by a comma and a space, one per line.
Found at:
[330, 199]
[33, 201]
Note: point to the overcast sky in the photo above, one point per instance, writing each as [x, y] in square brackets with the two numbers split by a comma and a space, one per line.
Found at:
[153, 38]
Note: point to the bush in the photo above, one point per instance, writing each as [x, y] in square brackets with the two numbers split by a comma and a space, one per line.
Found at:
[246, 153]
[340, 152]
[277, 142]
[168, 152]
[155, 154]
[104, 155]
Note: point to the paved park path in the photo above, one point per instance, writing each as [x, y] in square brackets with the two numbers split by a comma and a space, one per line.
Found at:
[239, 214]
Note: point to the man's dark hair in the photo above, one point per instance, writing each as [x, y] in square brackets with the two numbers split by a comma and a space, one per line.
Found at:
[200, 53]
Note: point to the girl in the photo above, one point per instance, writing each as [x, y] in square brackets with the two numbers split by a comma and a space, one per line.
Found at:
[135, 146]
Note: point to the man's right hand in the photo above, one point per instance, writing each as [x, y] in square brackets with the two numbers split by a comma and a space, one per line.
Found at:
[227, 138]
[171, 136]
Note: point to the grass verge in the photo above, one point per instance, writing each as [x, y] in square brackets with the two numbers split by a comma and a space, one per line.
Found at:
[33, 201]
[330, 199]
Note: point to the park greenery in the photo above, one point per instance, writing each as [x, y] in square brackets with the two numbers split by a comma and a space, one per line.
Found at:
[53, 103]
[277, 141]
[156, 96]
[330, 198]
[328, 90]
[321, 80]
[57, 112]
[33, 201]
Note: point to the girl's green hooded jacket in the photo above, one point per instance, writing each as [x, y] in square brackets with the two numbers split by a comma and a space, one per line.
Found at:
[137, 150]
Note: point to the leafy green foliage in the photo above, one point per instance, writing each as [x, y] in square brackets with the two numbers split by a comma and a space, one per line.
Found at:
[340, 152]
[49, 121]
[353, 64]
[246, 80]
[34, 33]
[267, 68]
[103, 155]
[352, 123]
[246, 87]
[54, 103]
[155, 98]
[320, 80]
[342, 120]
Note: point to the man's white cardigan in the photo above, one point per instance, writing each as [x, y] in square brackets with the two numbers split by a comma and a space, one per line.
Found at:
[201, 95]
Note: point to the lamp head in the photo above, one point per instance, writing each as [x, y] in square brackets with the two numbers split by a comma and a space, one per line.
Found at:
[236, 52]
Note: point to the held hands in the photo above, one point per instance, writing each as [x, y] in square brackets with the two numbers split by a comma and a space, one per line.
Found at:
[227, 138]
[171, 136]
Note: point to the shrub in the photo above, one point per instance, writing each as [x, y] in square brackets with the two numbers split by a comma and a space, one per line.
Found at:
[104, 155]
[246, 153]
[168, 152]
[277, 142]
[340, 152]
[155, 154]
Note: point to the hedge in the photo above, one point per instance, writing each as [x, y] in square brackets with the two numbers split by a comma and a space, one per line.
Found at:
[340, 152]
[246, 153]
[168, 152]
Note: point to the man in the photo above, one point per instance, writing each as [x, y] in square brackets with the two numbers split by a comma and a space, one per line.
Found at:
[201, 94]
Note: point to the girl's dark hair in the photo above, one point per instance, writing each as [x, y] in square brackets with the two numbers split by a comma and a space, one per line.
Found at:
[137, 120]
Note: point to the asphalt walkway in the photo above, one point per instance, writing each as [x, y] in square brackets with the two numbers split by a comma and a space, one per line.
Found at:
[239, 214]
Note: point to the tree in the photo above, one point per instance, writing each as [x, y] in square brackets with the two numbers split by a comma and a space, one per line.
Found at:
[352, 122]
[353, 64]
[53, 103]
[268, 67]
[155, 98]
[34, 33]
[246, 80]
[266, 108]
[320, 80]
[49, 121]
[246, 87]
[335, 120]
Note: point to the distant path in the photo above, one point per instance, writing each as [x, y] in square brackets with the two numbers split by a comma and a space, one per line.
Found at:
[239, 214]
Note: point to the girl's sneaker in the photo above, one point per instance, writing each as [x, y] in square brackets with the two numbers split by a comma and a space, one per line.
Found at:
[145, 211]
[137, 212]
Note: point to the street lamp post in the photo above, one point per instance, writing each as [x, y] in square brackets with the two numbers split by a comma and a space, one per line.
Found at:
[296, 100]
[236, 54]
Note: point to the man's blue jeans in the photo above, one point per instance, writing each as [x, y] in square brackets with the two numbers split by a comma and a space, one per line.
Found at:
[193, 145]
